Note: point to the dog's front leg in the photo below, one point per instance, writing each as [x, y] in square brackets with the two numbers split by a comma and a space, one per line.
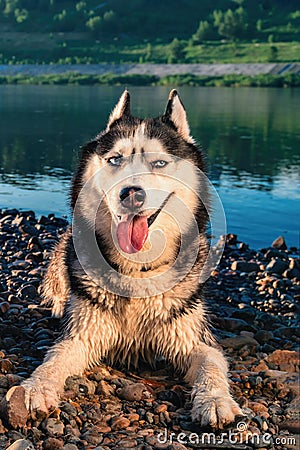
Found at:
[207, 373]
[64, 359]
[88, 340]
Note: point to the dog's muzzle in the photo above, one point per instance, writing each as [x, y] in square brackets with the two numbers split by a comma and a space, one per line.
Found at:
[132, 197]
[132, 230]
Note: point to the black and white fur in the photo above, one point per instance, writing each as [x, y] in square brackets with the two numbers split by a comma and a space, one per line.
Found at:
[102, 324]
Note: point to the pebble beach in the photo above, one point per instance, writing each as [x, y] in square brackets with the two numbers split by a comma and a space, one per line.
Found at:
[253, 298]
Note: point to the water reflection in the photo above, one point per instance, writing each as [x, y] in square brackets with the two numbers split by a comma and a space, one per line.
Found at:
[251, 137]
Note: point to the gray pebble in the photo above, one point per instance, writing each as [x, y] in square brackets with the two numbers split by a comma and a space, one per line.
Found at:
[53, 426]
[277, 266]
[80, 385]
[245, 266]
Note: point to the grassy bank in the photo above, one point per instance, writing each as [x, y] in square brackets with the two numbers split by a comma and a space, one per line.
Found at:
[79, 48]
[86, 31]
[288, 80]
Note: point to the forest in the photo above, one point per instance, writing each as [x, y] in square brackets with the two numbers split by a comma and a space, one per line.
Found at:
[143, 31]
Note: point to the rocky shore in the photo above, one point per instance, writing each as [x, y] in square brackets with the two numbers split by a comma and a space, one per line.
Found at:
[252, 296]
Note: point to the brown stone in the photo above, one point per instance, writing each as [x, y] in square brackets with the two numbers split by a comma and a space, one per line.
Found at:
[261, 367]
[4, 307]
[161, 408]
[127, 443]
[2, 428]
[285, 360]
[259, 409]
[6, 366]
[120, 423]
[12, 407]
[133, 417]
[21, 444]
[279, 243]
[135, 392]
[104, 428]
[53, 444]
[292, 425]
[293, 407]
[105, 389]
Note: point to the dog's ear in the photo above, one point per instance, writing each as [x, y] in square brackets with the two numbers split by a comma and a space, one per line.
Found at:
[175, 112]
[121, 109]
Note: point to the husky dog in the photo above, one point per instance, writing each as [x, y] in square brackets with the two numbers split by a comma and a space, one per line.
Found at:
[126, 276]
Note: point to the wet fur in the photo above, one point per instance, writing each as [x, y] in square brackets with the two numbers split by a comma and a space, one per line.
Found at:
[100, 324]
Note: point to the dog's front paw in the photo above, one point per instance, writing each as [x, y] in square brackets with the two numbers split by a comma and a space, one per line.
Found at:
[40, 395]
[215, 411]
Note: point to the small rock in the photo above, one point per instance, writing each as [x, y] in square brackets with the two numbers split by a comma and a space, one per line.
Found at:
[53, 444]
[238, 342]
[135, 392]
[173, 396]
[34, 244]
[101, 373]
[104, 428]
[279, 243]
[293, 407]
[105, 389]
[133, 417]
[263, 336]
[231, 239]
[285, 360]
[261, 367]
[234, 324]
[70, 447]
[28, 291]
[161, 408]
[53, 426]
[119, 423]
[149, 417]
[80, 385]
[12, 407]
[6, 365]
[93, 436]
[176, 446]
[277, 266]
[246, 313]
[4, 307]
[292, 425]
[68, 409]
[245, 266]
[21, 444]
[259, 409]
[127, 443]
[291, 273]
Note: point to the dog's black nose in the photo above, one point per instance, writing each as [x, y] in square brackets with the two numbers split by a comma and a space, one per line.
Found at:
[132, 197]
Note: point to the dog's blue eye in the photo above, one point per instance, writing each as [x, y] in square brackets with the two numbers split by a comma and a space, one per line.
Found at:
[115, 160]
[159, 163]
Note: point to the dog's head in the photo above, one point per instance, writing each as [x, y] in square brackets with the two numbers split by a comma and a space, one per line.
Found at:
[138, 183]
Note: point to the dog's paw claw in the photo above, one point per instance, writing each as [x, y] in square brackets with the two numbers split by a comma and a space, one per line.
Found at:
[214, 411]
[40, 396]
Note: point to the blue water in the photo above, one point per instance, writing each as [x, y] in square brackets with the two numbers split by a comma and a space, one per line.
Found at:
[251, 138]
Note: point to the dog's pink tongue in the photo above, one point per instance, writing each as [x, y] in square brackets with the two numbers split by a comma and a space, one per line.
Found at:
[132, 234]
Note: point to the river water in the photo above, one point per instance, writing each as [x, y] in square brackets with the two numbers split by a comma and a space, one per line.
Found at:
[251, 138]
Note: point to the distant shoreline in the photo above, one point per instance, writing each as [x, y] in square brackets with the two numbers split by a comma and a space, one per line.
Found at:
[158, 70]
[253, 75]
[216, 75]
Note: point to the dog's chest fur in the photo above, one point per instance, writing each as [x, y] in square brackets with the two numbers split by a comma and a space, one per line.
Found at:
[144, 327]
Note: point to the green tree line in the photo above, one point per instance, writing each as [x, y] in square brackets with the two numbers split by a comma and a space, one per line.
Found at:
[191, 19]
